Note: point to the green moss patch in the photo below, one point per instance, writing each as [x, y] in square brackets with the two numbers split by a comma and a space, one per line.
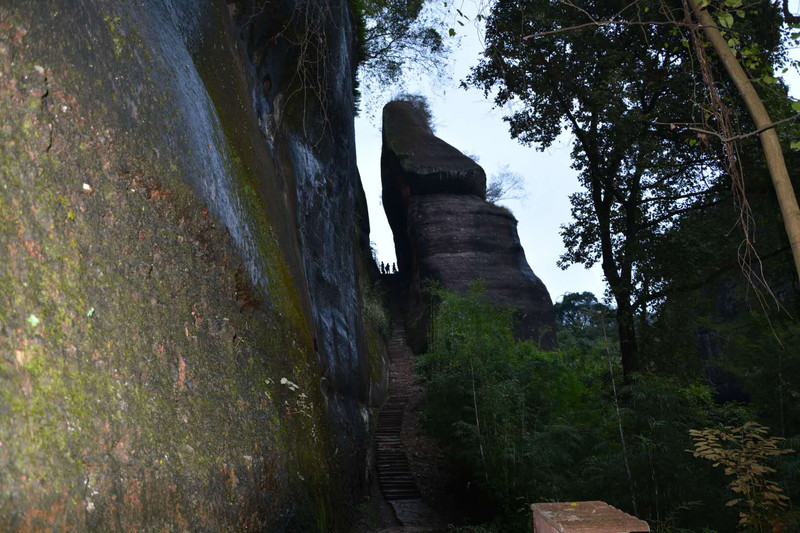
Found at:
[141, 387]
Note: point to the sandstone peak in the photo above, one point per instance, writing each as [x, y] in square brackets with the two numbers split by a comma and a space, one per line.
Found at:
[445, 230]
[429, 165]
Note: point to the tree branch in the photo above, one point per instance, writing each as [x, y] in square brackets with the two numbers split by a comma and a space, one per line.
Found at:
[668, 216]
[787, 15]
[759, 131]
[601, 23]
[680, 196]
[644, 299]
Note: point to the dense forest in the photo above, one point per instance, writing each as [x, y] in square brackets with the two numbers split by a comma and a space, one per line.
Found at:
[675, 395]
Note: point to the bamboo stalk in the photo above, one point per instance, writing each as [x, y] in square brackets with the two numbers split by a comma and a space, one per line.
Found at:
[769, 137]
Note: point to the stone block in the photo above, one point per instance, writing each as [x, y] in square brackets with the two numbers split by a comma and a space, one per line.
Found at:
[584, 517]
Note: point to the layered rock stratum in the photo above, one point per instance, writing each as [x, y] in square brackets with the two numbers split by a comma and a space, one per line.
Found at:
[445, 230]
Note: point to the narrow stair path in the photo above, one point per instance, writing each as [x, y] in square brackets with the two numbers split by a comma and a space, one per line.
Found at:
[394, 473]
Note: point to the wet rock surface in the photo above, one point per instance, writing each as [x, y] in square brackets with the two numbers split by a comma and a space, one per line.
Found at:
[180, 263]
[444, 230]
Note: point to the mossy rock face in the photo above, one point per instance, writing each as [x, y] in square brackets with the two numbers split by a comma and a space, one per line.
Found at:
[157, 359]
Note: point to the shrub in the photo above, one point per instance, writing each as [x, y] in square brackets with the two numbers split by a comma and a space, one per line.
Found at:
[523, 425]
[742, 453]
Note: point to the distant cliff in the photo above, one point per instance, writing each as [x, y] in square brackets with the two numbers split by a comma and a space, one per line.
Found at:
[445, 230]
[183, 243]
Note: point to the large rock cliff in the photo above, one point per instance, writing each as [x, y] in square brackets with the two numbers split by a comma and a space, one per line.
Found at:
[445, 230]
[182, 246]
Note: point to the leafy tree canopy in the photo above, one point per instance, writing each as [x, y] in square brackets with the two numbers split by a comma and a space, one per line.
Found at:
[395, 37]
[618, 76]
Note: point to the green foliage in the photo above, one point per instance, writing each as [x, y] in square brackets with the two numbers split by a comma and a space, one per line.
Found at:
[754, 34]
[609, 86]
[373, 307]
[359, 20]
[655, 211]
[525, 425]
[420, 103]
[583, 322]
[395, 37]
[487, 399]
[617, 87]
[741, 451]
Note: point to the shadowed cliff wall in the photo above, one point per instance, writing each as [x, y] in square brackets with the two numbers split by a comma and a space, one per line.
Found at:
[180, 324]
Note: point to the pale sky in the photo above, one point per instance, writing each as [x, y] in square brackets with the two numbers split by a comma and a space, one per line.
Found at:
[469, 122]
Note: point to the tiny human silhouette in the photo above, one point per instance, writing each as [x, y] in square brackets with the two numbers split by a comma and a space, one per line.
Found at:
[383, 268]
[394, 268]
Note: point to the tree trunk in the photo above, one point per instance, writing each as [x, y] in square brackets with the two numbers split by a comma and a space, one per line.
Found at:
[621, 291]
[769, 138]
[628, 347]
[620, 284]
